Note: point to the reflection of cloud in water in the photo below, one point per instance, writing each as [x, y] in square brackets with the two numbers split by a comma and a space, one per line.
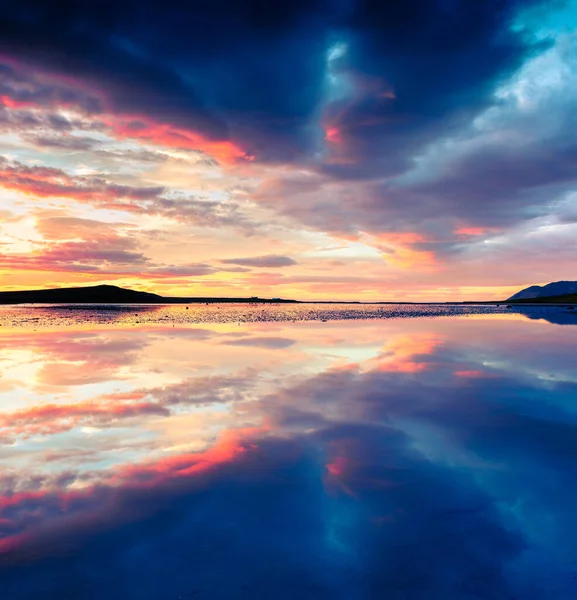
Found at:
[270, 342]
[441, 466]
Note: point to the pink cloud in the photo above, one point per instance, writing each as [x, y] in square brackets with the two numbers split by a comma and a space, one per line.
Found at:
[473, 231]
[170, 136]
[51, 91]
[471, 374]
[46, 182]
[48, 419]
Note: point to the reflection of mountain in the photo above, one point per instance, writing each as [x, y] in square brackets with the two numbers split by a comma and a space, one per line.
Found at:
[558, 291]
[553, 315]
[107, 294]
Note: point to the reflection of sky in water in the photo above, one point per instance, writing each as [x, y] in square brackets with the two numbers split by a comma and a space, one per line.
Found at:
[404, 459]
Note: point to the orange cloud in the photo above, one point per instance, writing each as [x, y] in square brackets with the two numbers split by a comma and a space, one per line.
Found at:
[136, 127]
[408, 258]
[398, 249]
[50, 91]
[225, 450]
[402, 353]
[164, 134]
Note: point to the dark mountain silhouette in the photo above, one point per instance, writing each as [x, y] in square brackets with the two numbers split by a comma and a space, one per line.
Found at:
[98, 293]
[562, 299]
[556, 288]
[109, 294]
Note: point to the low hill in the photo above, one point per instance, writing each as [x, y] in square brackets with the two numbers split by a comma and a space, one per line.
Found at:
[556, 288]
[96, 294]
[111, 294]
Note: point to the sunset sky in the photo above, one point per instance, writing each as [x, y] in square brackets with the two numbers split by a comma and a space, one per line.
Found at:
[337, 149]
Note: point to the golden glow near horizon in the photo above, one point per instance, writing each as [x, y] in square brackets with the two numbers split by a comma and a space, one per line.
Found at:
[91, 197]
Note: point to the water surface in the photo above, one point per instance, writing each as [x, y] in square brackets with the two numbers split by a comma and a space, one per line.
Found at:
[66, 315]
[216, 455]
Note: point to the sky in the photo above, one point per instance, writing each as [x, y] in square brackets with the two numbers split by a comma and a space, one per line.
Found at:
[354, 459]
[322, 149]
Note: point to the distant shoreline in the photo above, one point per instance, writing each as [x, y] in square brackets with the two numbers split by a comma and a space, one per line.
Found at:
[190, 301]
[110, 295]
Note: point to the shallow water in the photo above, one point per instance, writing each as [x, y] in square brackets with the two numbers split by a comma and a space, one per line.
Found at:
[223, 453]
[65, 315]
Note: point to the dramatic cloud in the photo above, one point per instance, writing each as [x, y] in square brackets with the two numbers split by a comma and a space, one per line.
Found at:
[47, 182]
[427, 135]
[167, 66]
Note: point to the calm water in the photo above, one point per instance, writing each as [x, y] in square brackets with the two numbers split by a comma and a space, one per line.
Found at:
[156, 453]
[34, 316]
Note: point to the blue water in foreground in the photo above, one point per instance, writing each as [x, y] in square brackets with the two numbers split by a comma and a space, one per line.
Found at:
[159, 454]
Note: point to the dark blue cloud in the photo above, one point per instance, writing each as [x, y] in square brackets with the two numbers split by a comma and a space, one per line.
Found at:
[256, 71]
[205, 66]
[367, 92]
[433, 65]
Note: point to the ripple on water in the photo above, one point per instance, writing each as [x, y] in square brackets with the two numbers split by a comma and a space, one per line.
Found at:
[40, 316]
